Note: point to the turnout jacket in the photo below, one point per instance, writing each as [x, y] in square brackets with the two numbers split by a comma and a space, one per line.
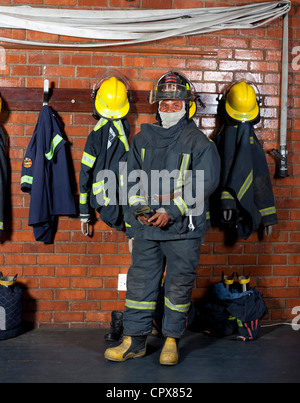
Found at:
[191, 165]
[106, 146]
[45, 175]
[3, 180]
[245, 184]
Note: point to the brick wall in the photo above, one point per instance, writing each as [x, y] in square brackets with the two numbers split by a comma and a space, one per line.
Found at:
[73, 282]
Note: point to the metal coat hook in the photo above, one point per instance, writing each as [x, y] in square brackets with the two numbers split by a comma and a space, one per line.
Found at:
[46, 92]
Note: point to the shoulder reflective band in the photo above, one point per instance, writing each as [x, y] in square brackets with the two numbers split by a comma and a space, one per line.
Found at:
[268, 211]
[122, 137]
[56, 140]
[179, 308]
[100, 124]
[1, 225]
[143, 150]
[27, 179]
[88, 160]
[145, 305]
[134, 200]
[83, 198]
[245, 185]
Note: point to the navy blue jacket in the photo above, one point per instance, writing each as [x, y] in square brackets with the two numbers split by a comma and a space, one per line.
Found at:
[106, 146]
[45, 175]
[245, 184]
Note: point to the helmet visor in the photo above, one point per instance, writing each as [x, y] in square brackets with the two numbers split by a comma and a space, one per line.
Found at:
[170, 91]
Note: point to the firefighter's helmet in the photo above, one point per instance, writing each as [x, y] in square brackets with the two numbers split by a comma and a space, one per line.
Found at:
[241, 102]
[111, 98]
[174, 85]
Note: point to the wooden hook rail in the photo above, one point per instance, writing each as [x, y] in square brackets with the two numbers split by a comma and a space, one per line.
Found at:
[80, 100]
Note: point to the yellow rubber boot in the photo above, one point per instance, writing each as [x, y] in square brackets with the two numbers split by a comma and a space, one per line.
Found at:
[131, 347]
[169, 354]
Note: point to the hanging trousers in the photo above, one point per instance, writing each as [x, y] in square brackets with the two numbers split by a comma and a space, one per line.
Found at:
[149, 259]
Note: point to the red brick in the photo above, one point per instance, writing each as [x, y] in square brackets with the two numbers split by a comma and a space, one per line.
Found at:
[70, 294]
[84, 306]
[68, 317]
[46, 282]
[87, 283]
[102, 294]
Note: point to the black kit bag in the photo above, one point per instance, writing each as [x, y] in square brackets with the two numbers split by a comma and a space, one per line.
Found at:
[10, 307]
[223, 313]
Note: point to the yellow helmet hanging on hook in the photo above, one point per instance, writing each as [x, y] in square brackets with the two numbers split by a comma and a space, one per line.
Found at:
[111, 99]
[241, 102]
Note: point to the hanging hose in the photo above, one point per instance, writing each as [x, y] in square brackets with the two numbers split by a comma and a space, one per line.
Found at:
[135, 26]
[281, 165]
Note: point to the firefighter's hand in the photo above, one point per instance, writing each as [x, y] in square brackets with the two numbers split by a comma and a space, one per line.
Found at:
[159, 220]
[143, 220]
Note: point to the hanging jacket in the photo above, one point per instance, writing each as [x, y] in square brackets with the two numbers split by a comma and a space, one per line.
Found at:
[3, 180]
[106, 146]
[245, 184]
[45, 175]
[184, 149]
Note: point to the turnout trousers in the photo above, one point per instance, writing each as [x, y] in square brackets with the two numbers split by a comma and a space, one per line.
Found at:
[149, 259]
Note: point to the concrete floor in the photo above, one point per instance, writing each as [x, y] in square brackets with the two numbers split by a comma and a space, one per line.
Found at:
[76, 356]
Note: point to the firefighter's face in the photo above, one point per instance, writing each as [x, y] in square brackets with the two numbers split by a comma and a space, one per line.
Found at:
[171, 105]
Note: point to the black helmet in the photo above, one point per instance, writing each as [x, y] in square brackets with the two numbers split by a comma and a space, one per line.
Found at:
[174, 85]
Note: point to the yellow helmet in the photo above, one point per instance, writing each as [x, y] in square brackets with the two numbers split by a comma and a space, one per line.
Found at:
[111, 99]
[241, 103]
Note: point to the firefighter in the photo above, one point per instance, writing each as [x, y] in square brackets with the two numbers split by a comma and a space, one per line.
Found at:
[169, 222]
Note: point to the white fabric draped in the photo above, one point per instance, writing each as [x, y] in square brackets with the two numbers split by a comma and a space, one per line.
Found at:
[134, 26]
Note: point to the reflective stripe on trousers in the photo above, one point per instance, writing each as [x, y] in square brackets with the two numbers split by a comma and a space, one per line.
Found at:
[149, 259]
